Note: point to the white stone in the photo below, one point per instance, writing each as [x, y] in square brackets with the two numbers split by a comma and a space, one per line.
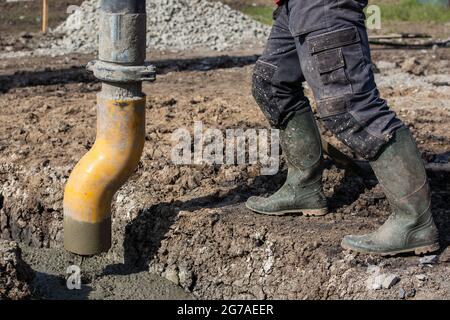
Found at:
[381, 281]
[431, 259]
[421, 277]
[390, 280]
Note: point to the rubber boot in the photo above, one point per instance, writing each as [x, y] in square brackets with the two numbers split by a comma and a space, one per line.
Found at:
[302, 192]
[410, 228]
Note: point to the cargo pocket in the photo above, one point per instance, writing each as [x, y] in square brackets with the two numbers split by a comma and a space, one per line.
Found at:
[334, 55]
[336, 117]
[263, 92]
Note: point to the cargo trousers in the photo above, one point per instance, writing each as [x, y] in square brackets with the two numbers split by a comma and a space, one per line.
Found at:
[324, 43]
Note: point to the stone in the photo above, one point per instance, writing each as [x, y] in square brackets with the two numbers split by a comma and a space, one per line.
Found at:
[389, 281]
[421, 277]
[401, 293]
[412, 65]
[431, 259]
[377, 282]
[385, 65]
[381, 281]
[373, 269]
[172, 275]
[445, 256]
[411, 293]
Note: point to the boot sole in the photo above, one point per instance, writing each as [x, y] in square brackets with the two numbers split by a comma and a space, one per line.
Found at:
[305, 212]
[417, 250]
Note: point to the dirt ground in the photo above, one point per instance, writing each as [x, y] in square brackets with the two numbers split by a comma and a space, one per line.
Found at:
[25, 16]
[182, 232]
[188, 224]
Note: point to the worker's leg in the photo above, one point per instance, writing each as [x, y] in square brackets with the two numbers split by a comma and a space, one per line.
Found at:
[336, 63]
[277, 88]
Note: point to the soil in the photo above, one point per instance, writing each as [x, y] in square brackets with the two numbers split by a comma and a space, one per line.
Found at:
[182, 232]
[25, 16]
[188, 223]
[15, 274]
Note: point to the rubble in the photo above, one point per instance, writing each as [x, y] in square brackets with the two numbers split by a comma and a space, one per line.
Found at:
[171, 25]
[15, 274]
[379, 281]
[431, 259]
[421, 277]
[445, 255]
[412, 65]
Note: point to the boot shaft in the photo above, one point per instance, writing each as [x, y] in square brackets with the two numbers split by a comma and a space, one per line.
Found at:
[401, 172]
[410, 228]
[301, 144]
[302, 192]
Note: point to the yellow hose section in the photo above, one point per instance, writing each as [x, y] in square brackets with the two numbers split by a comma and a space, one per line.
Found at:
[112, 159]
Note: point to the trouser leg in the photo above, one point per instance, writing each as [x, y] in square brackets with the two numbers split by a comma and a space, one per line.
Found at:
[335, 60]
[277, 76]
[337, 65]
[277, 88]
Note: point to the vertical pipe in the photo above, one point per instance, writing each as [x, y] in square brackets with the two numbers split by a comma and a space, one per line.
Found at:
[120, 127]
[44, 16]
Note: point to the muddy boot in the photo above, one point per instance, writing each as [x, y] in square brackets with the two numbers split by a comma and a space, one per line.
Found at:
[302, 192]
[410, 228]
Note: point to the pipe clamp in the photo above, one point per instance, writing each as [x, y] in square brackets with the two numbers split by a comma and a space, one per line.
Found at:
[111, 72]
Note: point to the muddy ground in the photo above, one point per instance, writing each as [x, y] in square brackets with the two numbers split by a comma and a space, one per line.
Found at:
[188, 224]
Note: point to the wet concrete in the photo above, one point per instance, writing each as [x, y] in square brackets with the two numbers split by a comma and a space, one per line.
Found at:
[101, 278]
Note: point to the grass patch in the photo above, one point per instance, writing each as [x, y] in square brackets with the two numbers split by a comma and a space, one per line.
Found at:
[413, 10]
[262, 14]
[402, 10]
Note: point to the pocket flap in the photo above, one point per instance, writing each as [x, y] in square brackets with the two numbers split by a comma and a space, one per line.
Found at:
[331, 107]
[333, 39]
[330, 60]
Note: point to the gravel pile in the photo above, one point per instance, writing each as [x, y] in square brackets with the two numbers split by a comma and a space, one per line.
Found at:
[171, 25]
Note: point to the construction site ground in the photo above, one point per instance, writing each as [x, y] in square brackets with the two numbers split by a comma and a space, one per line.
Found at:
[182, 232]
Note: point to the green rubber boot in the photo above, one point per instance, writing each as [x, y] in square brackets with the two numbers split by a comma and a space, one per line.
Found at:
[410, 228]
[302, 192]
